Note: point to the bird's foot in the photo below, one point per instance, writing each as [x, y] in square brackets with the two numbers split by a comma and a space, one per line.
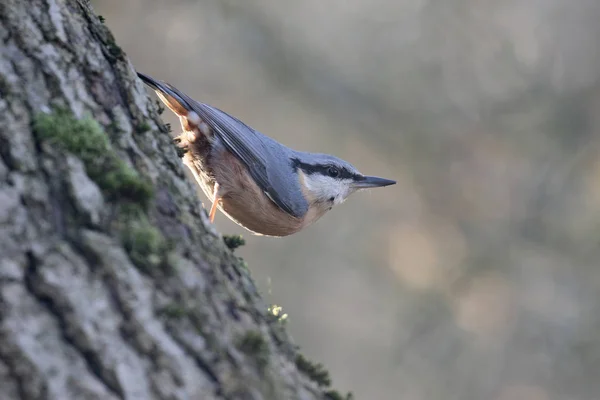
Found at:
[181, 145]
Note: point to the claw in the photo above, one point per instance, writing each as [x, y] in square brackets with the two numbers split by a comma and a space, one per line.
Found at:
[181, 148]
[181, 151]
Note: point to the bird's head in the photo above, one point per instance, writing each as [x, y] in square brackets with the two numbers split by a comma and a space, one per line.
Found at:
[328, 181]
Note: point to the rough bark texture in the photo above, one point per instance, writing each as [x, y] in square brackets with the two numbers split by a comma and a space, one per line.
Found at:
[109, 292]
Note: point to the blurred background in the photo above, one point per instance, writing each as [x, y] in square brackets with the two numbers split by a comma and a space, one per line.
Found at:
[476, 277]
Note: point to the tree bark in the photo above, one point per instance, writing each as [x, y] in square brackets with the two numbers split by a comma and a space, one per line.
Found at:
[113, 285]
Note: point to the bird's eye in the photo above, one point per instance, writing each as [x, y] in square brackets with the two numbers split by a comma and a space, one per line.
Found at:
[333, 172]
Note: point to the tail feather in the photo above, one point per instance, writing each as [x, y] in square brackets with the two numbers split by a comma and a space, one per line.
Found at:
[168, 94]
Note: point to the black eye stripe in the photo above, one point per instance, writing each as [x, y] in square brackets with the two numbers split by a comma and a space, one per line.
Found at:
[345, 174]
[310, 169]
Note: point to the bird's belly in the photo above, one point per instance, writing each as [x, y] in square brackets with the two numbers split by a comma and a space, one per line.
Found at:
[258, 216]
[241, 198]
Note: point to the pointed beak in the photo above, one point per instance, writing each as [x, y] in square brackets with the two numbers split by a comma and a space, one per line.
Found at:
[372, 182]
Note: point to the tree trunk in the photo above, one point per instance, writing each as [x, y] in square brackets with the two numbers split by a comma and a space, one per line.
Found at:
[113, 285]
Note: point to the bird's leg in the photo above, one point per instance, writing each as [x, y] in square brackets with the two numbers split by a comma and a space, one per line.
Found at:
[215, 203]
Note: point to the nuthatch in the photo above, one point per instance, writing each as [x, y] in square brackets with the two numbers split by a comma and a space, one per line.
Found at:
[257, 182]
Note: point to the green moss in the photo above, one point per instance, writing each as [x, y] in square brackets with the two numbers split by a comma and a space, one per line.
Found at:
[86, 139]
[314, 371]
[174, 311]
[145, 244]
[115, 50]
[317, 373]
[253, 344]
[101, 18]
[234, 241]
[143, 127]
[123, 181]
[335, 395]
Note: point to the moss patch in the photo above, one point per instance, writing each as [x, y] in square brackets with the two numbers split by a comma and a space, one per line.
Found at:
[314, 371]
[145, 244]
[115, 50]
[233, 241]
[253, 343]
[130, 193]
[143, 127]
[317, 373]
[173, 310]
[86, 139]
[335, 395]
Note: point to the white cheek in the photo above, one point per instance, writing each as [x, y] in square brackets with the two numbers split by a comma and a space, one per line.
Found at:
[309, 184]
[317, 185]
[345, 192]
[324, 188]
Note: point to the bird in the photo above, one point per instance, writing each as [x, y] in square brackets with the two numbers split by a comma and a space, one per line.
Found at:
[260, 184]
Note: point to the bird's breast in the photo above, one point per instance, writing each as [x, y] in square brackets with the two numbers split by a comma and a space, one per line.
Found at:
[244, 202]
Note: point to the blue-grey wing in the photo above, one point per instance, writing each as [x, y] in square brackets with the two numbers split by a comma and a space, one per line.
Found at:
[257, 152]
